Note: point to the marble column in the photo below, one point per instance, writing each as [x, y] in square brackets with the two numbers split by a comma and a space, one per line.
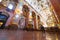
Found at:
[34, 19]
[38, 18]
[26, 15]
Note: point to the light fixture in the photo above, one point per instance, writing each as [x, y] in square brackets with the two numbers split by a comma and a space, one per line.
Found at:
[1, 24]
[0, 0]
[10, 6]
[16, 15]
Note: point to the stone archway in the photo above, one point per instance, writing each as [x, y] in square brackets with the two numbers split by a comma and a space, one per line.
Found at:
[4, 18]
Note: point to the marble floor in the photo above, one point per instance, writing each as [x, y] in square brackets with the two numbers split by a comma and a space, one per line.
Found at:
[28, 35]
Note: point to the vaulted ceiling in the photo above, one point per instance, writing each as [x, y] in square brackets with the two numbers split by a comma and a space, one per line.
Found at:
[56, 5]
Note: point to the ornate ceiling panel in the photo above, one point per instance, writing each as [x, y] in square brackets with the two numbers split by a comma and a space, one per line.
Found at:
[43, 8]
